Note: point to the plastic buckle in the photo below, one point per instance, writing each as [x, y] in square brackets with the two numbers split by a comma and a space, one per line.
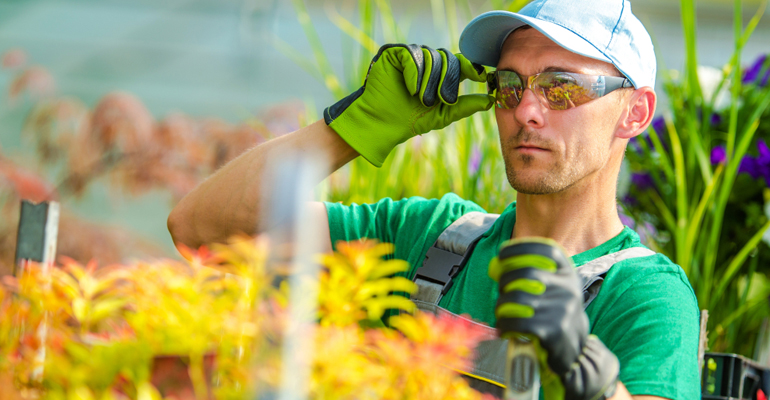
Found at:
[439, 267]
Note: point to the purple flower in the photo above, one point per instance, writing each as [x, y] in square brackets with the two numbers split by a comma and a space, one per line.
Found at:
[751, 74]
[659, 124]
[642, 180]
[625, 219]
[716, 119]
[756, 166]
[763, 160]
[764, 152]
[630, 200]
[718, 155]
[749, 166]
[475, 161]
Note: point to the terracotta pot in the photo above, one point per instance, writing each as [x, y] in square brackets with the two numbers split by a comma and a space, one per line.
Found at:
[171, 376]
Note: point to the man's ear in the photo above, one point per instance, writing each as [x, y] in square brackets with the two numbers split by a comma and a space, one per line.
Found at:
[638, 113]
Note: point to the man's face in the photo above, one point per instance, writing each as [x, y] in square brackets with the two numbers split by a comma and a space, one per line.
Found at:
[547, 151]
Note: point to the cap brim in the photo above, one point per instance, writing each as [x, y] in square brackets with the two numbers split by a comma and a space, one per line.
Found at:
[482, 40]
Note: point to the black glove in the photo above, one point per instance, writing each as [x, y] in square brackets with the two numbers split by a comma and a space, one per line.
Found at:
[541, 296]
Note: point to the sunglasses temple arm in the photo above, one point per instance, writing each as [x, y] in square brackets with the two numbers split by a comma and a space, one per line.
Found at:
[615, 82]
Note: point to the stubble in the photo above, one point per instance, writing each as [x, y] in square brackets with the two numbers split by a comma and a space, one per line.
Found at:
[562, 172]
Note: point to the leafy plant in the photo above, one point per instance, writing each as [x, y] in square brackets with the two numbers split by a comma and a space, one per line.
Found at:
[81, 332]
[689, 185]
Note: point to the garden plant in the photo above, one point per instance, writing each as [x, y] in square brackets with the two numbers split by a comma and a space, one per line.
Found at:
[698, 187]
[106, 333]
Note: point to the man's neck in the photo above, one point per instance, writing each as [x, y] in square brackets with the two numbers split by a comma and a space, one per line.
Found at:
[579, 218]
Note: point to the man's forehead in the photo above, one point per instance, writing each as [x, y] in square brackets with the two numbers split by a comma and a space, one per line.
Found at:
[528, 51]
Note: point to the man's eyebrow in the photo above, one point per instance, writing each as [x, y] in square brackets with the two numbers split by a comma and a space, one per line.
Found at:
[561, 69]
[548, 69]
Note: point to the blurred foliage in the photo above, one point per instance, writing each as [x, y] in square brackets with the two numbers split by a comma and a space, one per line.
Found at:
[108, 333]
[698, 187]
[116, 143]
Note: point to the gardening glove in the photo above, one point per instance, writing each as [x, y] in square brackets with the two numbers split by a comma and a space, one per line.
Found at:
[541, 297]
[409, 90]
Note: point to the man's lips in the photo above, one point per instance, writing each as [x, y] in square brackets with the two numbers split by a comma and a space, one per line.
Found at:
[528, 148]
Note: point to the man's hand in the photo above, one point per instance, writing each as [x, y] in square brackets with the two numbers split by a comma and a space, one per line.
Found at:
[541, 296]
[409, 90]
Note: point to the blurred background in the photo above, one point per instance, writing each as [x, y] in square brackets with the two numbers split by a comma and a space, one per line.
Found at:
[192, 70]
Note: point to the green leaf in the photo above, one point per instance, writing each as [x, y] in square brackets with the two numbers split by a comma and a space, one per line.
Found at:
[737, 262]
[351, 30]
[693, 231]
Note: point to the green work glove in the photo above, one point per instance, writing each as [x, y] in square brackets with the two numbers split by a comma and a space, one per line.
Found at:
[409, 90]
[541, 297]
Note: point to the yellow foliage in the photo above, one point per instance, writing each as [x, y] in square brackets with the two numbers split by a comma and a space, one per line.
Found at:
[103, 327]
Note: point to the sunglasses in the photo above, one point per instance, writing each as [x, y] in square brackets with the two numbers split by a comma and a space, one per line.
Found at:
[555, 90]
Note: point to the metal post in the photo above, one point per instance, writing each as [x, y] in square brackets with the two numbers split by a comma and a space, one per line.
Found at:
[36, 241]
[37, 234]
[290, 225]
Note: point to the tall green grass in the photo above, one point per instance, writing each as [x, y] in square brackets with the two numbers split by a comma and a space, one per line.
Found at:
[463, 158]
[692, 194]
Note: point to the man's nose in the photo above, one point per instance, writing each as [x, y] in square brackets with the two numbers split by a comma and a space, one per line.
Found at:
[529, 112]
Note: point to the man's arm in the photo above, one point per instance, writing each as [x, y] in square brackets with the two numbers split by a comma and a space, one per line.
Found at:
[409, 90]
[231, 201]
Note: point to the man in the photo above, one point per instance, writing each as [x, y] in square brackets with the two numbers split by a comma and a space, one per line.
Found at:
[574, 83]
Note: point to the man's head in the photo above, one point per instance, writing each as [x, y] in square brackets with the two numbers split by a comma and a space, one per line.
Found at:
[546, 149]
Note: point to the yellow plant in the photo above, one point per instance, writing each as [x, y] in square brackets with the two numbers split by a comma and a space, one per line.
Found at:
[357, 286]
[82, 332]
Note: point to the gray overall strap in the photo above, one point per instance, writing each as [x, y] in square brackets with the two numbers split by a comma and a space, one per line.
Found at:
[592, 273]
[449, 255]
[489, 361]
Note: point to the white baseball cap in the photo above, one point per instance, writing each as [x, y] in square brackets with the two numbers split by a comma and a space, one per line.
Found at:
[605, 30]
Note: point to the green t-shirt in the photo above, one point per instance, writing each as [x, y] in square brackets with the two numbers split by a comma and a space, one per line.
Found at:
[646, 311]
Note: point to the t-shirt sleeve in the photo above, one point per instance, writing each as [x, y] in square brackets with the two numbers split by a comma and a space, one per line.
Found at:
[412, 224]
[652, 326]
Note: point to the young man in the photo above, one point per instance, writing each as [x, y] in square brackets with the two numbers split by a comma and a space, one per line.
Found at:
[574, 83]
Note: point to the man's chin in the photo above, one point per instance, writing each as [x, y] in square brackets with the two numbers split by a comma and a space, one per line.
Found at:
[534, 185]
[532, 190]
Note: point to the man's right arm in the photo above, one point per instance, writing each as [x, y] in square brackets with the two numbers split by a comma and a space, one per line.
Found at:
[409, 90]
[232, 200]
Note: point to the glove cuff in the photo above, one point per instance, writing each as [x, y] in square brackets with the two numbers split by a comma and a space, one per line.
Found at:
[594, 375]
[335, 110]
[348, 127]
